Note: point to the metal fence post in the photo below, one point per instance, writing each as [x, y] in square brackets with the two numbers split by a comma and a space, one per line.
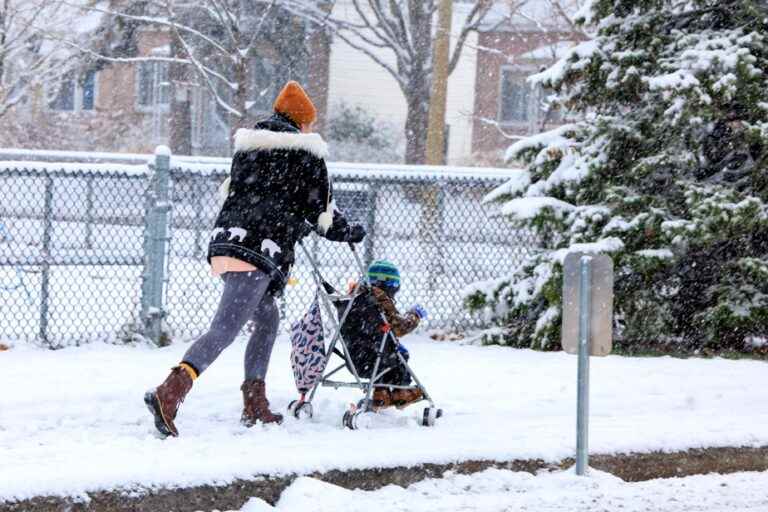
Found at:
[582, 400]
[198, 194]
[434, 237]
[46, 268]
[370, 238]
[439, 267]
[156, 246]
[89, 213]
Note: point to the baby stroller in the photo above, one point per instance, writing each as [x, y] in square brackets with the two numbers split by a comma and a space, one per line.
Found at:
[368, 349]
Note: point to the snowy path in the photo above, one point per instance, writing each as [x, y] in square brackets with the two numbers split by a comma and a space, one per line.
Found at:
[73, 420]
[506, 491]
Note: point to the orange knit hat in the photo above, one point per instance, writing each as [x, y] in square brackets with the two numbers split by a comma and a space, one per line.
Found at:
[294, 103]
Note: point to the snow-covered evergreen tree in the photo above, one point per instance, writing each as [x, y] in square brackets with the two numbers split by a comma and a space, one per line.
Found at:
[667, 172]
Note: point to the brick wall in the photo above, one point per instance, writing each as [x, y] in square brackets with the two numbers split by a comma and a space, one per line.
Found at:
[505, 49]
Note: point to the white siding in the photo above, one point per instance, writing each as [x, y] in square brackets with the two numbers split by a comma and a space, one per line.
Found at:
[461, 102]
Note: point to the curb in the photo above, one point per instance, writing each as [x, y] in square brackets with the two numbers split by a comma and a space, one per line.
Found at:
[631, 467]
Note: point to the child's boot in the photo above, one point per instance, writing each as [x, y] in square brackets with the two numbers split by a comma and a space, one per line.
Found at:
[163, 402]
[402, 398]
[382, 398]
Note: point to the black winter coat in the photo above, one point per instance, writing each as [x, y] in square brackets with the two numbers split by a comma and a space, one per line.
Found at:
[278, 186]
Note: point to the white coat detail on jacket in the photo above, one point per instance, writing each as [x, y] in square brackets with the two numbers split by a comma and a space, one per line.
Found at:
[253, 140]
[247, 139]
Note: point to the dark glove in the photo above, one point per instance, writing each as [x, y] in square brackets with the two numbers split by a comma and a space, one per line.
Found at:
[306, 229]
[355, 234]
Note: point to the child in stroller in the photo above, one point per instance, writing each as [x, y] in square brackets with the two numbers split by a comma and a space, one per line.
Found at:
[364, 325]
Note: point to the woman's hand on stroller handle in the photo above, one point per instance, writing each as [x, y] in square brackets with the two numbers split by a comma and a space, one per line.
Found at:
[355, 234]
[307, 229]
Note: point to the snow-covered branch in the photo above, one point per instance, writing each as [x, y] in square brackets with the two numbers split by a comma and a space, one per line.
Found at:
[31, 56]
[214, 40]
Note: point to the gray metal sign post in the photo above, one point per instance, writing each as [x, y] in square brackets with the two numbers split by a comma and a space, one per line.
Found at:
[587, 330]
[582, 400]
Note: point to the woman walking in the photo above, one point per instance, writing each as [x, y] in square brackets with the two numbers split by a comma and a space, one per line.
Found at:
[278, 186]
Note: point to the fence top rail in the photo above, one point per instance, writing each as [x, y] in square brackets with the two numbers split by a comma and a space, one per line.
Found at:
[90, 157]
[71, 169]
[380, 172]
[118, 163]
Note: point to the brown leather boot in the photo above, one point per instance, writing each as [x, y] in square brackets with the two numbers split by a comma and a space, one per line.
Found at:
[163, 402]
[256, 405]
[382, 398]
[402, 398]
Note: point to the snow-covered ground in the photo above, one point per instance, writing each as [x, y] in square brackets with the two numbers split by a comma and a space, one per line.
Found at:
[507, 491]
[73, 420]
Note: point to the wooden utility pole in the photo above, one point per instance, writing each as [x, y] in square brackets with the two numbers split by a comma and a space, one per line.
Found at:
[439, 97]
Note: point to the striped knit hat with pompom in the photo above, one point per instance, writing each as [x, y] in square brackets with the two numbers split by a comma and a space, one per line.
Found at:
[384, 273]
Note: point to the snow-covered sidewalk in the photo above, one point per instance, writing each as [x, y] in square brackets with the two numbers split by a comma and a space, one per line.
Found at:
[73, 421]
[506, 491]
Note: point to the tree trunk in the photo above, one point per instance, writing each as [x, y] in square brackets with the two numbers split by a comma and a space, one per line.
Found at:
[181, 104]
[418, 90]
[3, 35]
[416, 124]
[240, 98]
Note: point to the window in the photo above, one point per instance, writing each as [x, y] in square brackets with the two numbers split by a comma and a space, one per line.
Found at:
[75, 95]
[89, 91]
[515, 97]
[153, 85]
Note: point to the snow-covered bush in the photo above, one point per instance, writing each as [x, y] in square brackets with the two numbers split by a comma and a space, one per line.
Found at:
[667, 172]
[358, 136]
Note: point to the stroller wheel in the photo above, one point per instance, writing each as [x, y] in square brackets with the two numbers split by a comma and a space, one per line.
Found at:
[300, 409]
[430, 416]
[304, 410]
[346, 420]
[356, 420]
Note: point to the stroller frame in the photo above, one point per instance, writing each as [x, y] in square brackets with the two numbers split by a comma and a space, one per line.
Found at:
[354, 417]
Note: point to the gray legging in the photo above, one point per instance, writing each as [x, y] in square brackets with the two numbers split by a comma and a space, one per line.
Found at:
[245, 297]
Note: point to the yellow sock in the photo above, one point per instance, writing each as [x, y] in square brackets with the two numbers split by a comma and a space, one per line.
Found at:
[190, 371]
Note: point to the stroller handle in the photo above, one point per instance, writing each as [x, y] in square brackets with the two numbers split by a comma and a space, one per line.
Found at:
[309, 228]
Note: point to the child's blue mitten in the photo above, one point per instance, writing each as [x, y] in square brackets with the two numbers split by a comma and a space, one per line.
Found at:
[419, 311]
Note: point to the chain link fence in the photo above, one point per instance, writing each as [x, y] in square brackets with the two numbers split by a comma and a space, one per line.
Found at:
[103, 251]
[71, 254]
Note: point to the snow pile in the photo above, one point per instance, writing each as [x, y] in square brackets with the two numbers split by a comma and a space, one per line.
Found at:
[497, 490]
[73, 420]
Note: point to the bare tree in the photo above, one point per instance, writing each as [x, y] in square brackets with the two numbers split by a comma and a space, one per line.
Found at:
[216, 43]
[403, 31]
[31, 55]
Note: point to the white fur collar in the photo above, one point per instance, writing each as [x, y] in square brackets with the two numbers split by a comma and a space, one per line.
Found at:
[249, 140]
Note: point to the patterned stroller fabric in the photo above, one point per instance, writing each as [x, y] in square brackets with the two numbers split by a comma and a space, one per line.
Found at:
[308, 357]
